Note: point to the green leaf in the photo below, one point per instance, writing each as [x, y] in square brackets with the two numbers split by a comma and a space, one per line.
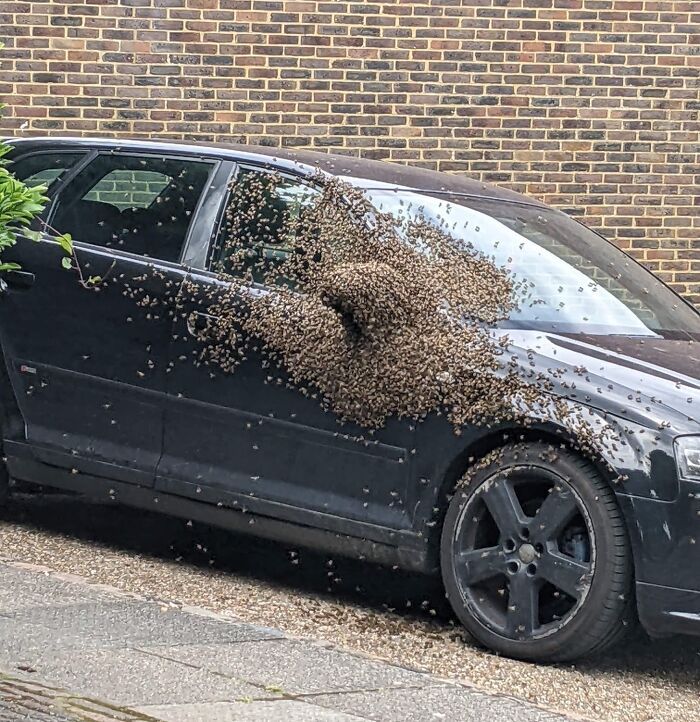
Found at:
[93, 280]
[66, 242]
[19, 204]
[32, 235]
[10, 266]
[67, 262]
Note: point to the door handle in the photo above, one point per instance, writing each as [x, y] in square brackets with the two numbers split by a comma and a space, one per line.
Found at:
[200, 324]
[18, 279]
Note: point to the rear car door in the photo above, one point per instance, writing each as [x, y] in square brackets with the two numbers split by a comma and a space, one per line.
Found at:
[243, 440]
[87, 360]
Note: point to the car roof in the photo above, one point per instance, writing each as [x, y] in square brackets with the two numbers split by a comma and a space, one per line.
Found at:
[381, 172]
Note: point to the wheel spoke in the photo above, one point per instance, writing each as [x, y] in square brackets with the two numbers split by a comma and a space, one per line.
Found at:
[523, 605]
[504, 507]
[557, 510]
[566, 574]
[478, 565]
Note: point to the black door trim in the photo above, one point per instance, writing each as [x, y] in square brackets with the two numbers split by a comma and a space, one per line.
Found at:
[405, 549]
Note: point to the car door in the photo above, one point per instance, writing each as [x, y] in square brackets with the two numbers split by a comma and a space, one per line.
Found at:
[87, 359]
[241, 439]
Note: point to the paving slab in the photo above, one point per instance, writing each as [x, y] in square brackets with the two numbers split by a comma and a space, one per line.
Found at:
[294, 666]
[23, 644]
[112, 657]
[451, 703]
[131, 621]
[127, 677]
[23, 588]
[258, 711]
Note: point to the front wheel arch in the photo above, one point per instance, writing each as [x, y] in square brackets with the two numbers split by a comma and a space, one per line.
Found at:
[474, 453]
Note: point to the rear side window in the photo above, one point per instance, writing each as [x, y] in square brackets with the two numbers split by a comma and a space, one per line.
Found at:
[136, 203]
[43, 168]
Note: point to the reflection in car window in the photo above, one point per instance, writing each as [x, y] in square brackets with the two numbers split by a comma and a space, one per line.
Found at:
[259, 228]
[135, 203]
[128, 188]
[567, 277]
[43, 168]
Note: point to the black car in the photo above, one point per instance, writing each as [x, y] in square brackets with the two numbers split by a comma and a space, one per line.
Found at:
[548, 553]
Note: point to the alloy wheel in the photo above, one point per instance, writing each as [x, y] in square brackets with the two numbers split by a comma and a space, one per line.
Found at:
[524, 553]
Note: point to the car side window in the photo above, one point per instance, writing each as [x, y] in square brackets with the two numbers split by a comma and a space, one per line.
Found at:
[142, 204]
[258, 230]
[129, 189]
[43, 168]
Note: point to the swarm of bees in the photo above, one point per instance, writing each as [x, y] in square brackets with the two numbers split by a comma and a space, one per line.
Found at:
[374, 315]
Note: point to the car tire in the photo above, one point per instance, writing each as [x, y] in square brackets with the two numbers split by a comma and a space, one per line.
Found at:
[535, 556]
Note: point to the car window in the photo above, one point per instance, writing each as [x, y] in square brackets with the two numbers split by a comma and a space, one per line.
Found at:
[258, 230]
[128, 188]
[43, 168]
[566, 277]
[137, 203]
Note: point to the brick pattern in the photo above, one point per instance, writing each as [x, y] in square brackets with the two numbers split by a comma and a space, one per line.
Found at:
[129, 189]
[590, 105]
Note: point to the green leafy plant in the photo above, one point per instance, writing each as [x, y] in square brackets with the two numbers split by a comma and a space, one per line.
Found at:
[19, 205]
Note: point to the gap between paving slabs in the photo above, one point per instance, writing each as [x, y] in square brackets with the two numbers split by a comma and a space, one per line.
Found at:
[42, 703]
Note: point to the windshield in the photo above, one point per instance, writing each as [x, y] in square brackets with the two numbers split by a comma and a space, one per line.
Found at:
[568, 279]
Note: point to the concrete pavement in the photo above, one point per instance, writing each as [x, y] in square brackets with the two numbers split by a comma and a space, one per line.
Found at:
[70, 650]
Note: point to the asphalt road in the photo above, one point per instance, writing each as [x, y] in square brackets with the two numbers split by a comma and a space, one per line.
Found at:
[399, 617]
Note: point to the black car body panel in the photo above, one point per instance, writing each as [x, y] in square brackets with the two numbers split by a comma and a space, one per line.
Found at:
[279, 443]
[90, 394]
[66, 378]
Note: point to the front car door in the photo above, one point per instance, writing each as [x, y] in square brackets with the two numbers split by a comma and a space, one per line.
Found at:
[87, 360]
[242, 439]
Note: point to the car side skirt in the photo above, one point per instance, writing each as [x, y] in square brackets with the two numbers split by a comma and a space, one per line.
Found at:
[407, 550]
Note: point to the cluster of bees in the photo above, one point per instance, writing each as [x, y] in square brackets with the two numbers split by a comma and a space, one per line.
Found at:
[374, 316]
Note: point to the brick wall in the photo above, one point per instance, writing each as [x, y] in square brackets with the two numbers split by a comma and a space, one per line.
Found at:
[590, 105]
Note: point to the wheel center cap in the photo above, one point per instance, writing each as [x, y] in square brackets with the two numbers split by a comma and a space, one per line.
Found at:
[527, 553]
